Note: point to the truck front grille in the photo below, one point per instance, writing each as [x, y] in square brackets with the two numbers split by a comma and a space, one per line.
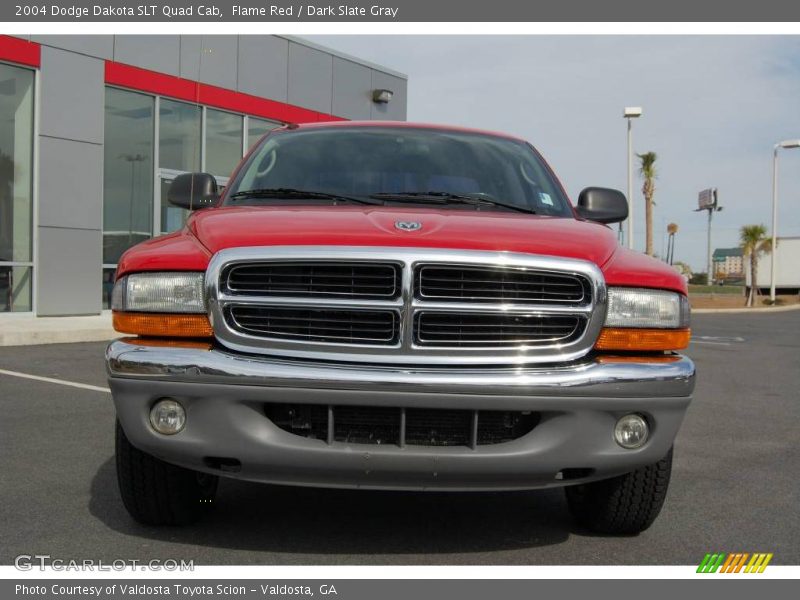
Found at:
[409, 306]
[499, 284]
[343, 326]
[480, 329]
[402, 426]
[314, 280]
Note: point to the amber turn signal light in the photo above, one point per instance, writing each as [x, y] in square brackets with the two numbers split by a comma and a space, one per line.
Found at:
[163, 325]
[618, 338]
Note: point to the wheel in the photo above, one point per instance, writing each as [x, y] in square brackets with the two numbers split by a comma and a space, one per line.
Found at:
[627, 504]
[157, 493]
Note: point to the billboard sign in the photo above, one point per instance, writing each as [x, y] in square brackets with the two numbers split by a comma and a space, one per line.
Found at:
[705, 199]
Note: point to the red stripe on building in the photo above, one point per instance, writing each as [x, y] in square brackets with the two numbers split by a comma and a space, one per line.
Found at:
[179, 88]
[19, 51]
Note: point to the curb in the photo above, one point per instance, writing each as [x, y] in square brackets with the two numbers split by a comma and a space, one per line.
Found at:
[730, 311]
[36, 338]
[29, 331]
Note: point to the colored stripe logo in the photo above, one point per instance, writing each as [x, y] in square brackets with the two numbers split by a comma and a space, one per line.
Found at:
[735, 562]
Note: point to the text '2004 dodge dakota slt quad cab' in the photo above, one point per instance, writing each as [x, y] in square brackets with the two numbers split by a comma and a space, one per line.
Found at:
[397, 306]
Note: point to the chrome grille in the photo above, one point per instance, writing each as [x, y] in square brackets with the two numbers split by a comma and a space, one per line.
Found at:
[405, 306]
[482, 329]
[314, 280]
[316, 325]
[499, 284]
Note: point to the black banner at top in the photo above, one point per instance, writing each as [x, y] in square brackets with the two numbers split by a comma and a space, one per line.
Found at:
[266, 11]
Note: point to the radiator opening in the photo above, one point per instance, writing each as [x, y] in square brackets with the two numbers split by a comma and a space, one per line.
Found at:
[374, 425]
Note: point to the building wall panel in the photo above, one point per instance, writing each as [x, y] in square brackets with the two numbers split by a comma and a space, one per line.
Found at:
[395, 110]
[70, 184]
[263, 66]
[352, 90]
[72, 96]
[210, 59]
[96, 46]
[160, 53]
[68, 274]
[310, 78]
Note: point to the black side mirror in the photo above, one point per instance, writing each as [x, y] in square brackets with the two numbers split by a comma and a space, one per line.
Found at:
[602, 205]
[193, 191]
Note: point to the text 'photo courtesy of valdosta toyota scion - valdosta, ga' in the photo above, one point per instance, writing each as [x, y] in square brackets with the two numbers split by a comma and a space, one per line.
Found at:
[180, 590]
[397, 306]
[204, 10]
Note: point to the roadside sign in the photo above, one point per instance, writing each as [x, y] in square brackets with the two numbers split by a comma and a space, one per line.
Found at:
[705, 199]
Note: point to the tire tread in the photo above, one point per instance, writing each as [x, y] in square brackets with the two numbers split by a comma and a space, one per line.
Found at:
[158, 493]
[627, 504]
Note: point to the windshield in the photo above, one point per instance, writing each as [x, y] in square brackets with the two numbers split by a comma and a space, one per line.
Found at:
[398, 165]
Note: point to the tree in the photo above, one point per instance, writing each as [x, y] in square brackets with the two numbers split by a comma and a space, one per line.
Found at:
[648, 172]
[754, 242]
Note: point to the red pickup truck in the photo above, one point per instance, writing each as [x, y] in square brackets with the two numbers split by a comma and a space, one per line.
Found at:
[397, 306]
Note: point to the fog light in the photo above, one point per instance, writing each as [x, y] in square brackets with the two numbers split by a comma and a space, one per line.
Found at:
[631, 431]
[167, 417]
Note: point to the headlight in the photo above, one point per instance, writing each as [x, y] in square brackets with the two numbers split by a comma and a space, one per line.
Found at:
[645, 320]
[160, 293]
[633, 307]
[168, 304]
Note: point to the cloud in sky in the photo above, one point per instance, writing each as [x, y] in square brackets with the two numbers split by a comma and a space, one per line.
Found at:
[713, 108]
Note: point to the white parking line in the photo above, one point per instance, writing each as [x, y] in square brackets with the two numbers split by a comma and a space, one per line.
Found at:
[83, 386]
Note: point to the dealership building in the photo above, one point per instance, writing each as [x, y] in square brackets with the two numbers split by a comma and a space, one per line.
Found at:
[94, 128]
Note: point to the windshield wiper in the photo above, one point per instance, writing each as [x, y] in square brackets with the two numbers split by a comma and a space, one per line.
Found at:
[287, 193]
[447, 198]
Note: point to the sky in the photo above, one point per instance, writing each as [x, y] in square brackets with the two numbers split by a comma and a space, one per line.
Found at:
[713, 108]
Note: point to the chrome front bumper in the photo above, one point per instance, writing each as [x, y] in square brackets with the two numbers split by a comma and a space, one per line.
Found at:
[224, 396]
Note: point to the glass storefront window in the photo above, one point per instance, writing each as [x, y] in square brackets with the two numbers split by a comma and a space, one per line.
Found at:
[108, 286]
[15, 289]
[223, 142]
[257, 128]
[179, 143]
[135, 188]
[128, 172]
[16, 192]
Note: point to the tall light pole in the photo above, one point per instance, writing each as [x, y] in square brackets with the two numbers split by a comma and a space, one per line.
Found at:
[785, 144]
[631, 112]
[708, 200]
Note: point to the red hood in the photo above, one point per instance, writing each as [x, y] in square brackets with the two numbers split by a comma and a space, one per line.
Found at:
[220, 228]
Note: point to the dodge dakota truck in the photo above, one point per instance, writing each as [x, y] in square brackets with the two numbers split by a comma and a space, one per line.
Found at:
[402, 307]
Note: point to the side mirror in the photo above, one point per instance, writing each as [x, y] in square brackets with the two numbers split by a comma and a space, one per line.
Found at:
[193, 191]
[602, 205]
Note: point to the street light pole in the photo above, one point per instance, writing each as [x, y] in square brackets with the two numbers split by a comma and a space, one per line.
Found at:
[710, 265]
[788, 144]
[630, 112]
[708, 200]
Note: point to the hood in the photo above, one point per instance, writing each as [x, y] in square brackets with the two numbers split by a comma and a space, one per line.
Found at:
[208, 231]
[228, 227]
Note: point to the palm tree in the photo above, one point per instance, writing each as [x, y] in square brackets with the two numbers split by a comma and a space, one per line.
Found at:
[754, 242]
[648, 172]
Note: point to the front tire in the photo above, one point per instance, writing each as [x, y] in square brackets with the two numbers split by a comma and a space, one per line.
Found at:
[158, 493]
[627, 504]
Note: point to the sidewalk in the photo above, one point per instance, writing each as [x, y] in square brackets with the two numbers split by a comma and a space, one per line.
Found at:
[743, 309]
[28, 330]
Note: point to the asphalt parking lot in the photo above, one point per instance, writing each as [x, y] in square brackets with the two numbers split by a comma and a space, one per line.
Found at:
[734, 487]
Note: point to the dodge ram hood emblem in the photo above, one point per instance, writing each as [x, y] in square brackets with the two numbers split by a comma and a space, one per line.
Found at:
[408, 225]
